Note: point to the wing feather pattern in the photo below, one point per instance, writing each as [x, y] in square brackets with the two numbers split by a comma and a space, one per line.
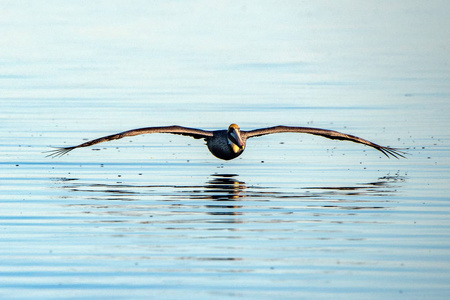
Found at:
[330, 134]
[192, 132]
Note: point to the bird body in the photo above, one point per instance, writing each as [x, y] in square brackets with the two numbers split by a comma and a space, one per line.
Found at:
[222, 147]
[219, 147]
[229, 144]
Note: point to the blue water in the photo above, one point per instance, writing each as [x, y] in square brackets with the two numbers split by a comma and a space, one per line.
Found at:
[157, 216]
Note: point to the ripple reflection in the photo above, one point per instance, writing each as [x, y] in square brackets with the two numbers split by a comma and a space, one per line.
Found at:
[226, 194]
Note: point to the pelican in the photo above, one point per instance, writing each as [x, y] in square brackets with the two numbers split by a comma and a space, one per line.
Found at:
[229, 144]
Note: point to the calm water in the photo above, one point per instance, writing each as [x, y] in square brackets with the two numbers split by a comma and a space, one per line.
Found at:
[157, 216]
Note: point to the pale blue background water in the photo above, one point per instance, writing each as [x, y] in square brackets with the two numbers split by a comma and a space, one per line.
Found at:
[158, 216]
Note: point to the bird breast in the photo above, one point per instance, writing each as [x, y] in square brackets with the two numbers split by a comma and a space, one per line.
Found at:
[218, 145]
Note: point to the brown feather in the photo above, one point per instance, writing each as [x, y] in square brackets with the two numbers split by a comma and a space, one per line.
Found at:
[192, 132]
[330, 134]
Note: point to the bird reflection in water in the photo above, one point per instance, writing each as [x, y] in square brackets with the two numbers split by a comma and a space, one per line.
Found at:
[222, 188]
[224, 194]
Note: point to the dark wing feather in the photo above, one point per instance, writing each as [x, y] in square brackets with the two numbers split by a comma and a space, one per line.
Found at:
[331, 134]
[192, 132]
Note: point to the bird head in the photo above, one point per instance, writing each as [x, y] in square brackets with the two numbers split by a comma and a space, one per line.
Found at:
[234, 138]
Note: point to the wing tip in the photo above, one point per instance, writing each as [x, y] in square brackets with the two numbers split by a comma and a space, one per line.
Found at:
[58, 151]
[393, 152]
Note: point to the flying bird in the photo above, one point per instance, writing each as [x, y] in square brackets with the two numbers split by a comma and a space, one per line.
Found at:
[229, 144]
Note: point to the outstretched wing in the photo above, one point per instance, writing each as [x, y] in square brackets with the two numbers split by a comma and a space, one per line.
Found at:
[192, 132]
[331, 134]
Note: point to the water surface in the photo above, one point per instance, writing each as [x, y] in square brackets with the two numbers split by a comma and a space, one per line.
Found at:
[158, 216]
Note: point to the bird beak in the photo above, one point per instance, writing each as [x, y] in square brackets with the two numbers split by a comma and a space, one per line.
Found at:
[235, 138]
